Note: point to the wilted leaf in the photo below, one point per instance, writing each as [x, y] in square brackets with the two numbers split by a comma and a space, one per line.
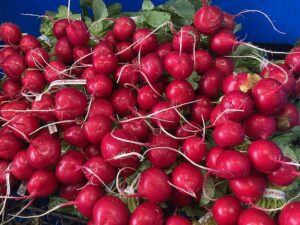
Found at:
[147, 5]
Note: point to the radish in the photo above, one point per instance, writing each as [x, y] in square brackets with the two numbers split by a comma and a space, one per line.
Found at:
[292, 60]
[54, 71]
[69, 104]
[70, 192]
[24, 124]
[210, 83]
[4, 52]
[269, 96]
[208, 19]
[223, 42]
[92, 150]
[91, 222]
[249, 189]
[255, 216]
[28, 42]
[123, 101]
[64, 50]
[68, 169]
[218, 116]
[187, 130]
[10, 33]
[145, 41]
[212, 157]
[147, 98]
[226, 210]
[289, 215]
[177, 220]
[13, 105]
[187, 179]
[82, 54]
[194, 148]
[126, 74]
[240, 81]
[179, 92]
[74, 135]
[124, 51]
[159, 156]
[201, 110]
[46, 103]
[145, 214]
[101, 106]
[163, 49]
[288, 117]
[259, 126]
[20, 167]
[33, 80]
[152, 67]
[99, 86]
[77, 32]
[44, 151]
[137, 128]
[59, 28]
[224, 65]
[124, 28]
[110, 210]
[187, 39]
[180, 199]
[202, 59]
[13, 66]
[99, 172]
[178, 65]
[228, 21]
[110, 38]
[11, 87]
[229, 134]
[36, 58]
[105, 63]
[265, 156]
[88, 73]
[102, 48]
[154, 179]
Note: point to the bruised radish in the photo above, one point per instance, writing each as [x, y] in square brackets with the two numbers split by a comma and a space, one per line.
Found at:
[179, 92]
[223, 42]
[186, 39]
[210, 83]
[55, 70]
[28, 42]
[46, 103]
[10, 33]
[59, 28]
[154, 179]
[145, 214]
[10, 145]
[99, 86]
[255, 216]
[201, 109]
[145, 41]
[101, 106]
[33, 80]
[123, 101]
[240, 81]
[20, 167]
[36, 58]
[178, 65]
[147, 98]
[137, 128]
[126, 74]
[194, 148]
[81, 54]
[64, 50]
[152, 67]
[224, 65]
[177, 220]
[75, 136]
[77, 33]
[288, 117]
[202, 59]
[164, 48]
[11, 87]
[124, 28]
[13, 66]
[124, 51]
[212, 157]
[105, 63]
[290, 214]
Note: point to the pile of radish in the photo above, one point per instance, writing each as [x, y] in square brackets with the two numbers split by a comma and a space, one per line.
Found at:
[127, 127]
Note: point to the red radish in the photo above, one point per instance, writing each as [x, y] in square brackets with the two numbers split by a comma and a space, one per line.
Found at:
[36, 58]
[288, 117]
[194, 148]
[226, 210]
[28, 42]
[187, 129]
[201, 109]
[255, 216]
[229, 134]
[42, 184]
[202, 59]
[4, 52]
[285, 175]
[146, 41]
[11, 87]
[180, 199]
[13, 66]
[228, 21]
[240, 81]
[290, 214]
[147, 213]
[54, 71]
[110, 210]
[152, 67]
[46, 103]
[69, 104]
[70, 192]
[68, 169]
[105, 63]
[223, 42]
[110, 38]
[88, 73]
[113, 146]
[64, 50]
[159, 156]
[77, 33]
[249, 189]
[123, 101]
[126, 74]
[292, 60]
[91, 222]
[25, 124]
[179, 92]
[208, 19]
[212, 157]
[224, 65]
[137, 128]
[102, 48]
[164, 48]
[218, 116]
[187, 178]
[233, 164]
[33, 80]
[43, 152]
[102, 170]
[96, 127]
[101, 106]
[124, 28]
[265, 156]
[259, 126]
[74, 135]
[20, 167]
[154, 179]
[179, 66]
[168, 119]
[147, 98]
[13, 105]
[124, 51]
[210, 83]
[59, 28]
[4, 165]
[237, 100]
[91, 151]
[269, 96]
[177, 220]
[82, 55]
[10, 33]
[99, 86]
[187, 39]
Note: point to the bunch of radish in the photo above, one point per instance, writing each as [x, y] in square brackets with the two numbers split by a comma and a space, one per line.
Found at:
[81, 121]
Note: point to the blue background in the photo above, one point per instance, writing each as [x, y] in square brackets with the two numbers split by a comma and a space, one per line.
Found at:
[284, 13]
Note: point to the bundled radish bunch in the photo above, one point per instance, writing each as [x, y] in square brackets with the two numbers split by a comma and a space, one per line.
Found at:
[125, 125]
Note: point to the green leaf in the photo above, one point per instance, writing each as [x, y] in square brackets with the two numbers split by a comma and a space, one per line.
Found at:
[191, 211]
[147, 5]
[184, 8]
[155, 18]
[62, 11]
[209, 189]
[71, 210]
[196, 3]
[99, 9]
[290, 153]
[114, 9]
[194, 80]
